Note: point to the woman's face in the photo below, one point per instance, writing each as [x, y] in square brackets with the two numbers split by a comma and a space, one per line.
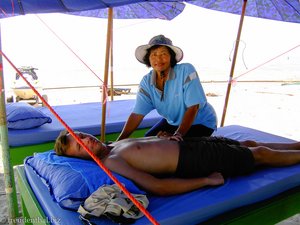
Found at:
[160, 59]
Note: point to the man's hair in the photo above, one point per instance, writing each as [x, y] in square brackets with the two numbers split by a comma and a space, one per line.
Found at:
[61, 143]
[146, 59]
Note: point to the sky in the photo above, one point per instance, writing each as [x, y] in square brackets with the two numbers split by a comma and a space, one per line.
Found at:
[207, 38]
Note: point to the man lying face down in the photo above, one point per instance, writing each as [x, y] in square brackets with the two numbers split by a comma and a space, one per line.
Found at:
[185, 165]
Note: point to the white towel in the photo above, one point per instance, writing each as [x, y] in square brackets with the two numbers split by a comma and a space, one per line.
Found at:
[109, 199]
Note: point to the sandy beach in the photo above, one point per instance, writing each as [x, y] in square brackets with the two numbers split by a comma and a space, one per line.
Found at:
[271, 107]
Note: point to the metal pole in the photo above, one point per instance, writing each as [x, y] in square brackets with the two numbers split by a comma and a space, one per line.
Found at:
[10, 188]
[233, 62]
[104, 89]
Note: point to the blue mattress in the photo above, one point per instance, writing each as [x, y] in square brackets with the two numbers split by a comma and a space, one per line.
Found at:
[200, 205]
[85, 117]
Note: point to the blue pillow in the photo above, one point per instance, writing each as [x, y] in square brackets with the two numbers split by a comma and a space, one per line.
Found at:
[72, 180]
[21, 115]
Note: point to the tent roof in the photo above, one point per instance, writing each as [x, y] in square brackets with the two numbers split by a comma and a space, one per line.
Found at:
[21, 7]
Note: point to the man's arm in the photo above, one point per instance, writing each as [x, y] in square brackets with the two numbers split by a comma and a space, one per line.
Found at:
[161, 186]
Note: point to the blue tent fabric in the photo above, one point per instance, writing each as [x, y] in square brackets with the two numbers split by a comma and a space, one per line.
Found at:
[21, 7]
[281, 10]
[149, 10]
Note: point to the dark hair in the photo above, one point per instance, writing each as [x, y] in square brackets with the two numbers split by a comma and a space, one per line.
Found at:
[61, 143]
[146, 59]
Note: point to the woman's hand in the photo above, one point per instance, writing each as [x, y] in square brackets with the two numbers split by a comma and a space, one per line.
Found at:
[177, 136]
[166, 135]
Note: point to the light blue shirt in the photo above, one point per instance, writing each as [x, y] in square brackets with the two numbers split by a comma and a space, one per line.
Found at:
[182, 90]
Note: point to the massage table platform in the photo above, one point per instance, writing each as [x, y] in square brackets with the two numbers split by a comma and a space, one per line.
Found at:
[267, 196]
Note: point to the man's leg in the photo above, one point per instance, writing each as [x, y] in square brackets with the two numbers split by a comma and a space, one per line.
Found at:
[279, 146]
[274, 157]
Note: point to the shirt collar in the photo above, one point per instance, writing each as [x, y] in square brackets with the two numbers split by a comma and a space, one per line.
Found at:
[171, 76]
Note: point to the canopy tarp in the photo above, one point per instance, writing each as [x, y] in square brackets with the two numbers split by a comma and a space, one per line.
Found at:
[22, 7]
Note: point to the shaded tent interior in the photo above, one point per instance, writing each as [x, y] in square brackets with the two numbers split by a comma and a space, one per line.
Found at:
[108, 39]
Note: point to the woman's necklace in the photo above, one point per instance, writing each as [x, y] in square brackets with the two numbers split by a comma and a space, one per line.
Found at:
[162, 77]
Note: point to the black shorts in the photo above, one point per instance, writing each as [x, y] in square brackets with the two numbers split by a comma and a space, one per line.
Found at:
[200, 157]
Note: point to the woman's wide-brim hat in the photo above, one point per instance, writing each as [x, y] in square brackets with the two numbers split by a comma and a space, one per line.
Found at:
[141, 51]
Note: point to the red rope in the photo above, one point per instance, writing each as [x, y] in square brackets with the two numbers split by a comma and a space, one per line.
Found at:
[94, 157]
[104, 87]
[12, 7]
[77, 56]
[235, 79]
[4, 13]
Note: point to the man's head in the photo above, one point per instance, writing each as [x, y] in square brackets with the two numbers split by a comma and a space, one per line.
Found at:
[66, 145]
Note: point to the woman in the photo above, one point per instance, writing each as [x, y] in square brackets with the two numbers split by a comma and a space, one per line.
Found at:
[174, 90]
